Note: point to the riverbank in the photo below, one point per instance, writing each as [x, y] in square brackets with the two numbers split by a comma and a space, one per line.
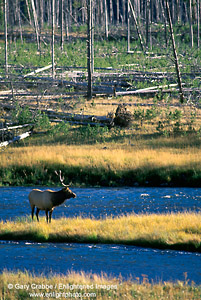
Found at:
[179, 231]
[21, 285]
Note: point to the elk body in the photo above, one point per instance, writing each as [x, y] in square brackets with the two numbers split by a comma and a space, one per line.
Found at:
[48, 200]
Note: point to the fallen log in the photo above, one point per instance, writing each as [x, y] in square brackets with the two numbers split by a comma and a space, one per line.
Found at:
[145, 92]
[38, 71]
[15, 127]
[153, 89]
[84, 123]
[77, 117]
[16, 139]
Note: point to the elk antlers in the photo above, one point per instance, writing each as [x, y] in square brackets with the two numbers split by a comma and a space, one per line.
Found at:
[61, 178]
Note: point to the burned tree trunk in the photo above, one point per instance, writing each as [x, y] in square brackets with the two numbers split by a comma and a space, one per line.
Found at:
[53, 19]
[148, 21]
[198, 24]
[136, 24]
[89, 48]
[106, 20]
[191, 23]
[62, 23]
[6, 36]
[128, 27]
[35, 23]
[175, 53]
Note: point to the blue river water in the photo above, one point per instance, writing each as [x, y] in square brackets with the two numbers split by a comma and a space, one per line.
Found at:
[129, 261]
[114, 260]
[102, 202]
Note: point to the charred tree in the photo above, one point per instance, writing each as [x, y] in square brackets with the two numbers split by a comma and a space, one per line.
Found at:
[128, 26]
[136, 24]
[89, 48]
[6, 37]
[198, 24]
[191, 23]
[174, 52]
[62, 23]
[35, 23]
[53, 20]
[106, 20]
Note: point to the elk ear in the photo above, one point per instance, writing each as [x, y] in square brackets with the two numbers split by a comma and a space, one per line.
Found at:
[65, 188]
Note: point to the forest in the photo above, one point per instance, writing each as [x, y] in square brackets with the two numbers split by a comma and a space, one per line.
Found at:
[70, 14]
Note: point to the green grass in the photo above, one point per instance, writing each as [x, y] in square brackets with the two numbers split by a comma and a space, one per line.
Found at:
[180, 231]
[99, 287]
[107, 54]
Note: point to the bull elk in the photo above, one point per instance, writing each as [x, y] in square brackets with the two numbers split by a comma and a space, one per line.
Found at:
[47, 200]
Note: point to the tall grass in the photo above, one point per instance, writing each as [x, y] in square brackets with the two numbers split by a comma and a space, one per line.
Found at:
[99, 287]
[99, 165]
[172, 231]
[96, 157]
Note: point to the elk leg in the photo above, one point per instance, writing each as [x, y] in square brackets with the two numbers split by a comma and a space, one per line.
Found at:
[46, 215]
[37, 212]
[32, 212]
[50, 215]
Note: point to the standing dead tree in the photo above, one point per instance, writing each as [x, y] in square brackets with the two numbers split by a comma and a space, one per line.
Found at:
[6, 36]
[89, 47]
[106, 20]
[148, 25]
[62, 23]
[35, 23]
[191, 23]
[175, 52]
[198, 24]
[128, 27]
[53, 20]
[136, 24]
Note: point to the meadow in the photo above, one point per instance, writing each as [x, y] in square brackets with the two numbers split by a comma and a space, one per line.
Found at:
[97, 156]
[181, 231]
[160, 148]
[92, 165]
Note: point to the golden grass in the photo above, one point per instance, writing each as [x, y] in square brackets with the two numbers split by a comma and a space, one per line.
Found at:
[96, 286]
[113, 158]
[176, 231]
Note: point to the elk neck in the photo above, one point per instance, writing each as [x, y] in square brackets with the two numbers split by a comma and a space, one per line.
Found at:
[58, 198]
